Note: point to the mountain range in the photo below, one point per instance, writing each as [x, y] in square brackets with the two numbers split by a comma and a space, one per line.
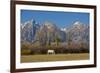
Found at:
[47, 32]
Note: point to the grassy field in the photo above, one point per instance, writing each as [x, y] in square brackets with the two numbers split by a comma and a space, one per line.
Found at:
[56, 57]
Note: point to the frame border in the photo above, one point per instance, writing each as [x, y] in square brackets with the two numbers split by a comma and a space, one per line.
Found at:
[13, 34]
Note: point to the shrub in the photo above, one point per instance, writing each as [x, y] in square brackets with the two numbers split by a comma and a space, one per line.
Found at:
[26, 52]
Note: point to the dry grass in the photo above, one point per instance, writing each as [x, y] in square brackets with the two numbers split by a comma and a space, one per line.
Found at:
[56, 57]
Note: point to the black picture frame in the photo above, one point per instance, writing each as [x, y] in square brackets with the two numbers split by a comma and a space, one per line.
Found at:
[13, 34]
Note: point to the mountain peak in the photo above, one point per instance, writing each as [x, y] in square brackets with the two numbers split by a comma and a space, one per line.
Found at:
[49, 24]
[63, 29]
[77, 23]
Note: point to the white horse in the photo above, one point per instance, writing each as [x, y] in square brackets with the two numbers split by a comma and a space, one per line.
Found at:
[51, 52]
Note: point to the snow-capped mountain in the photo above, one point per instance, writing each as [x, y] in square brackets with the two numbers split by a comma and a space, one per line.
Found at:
[78, 32]
[48, 32]
[28, 30]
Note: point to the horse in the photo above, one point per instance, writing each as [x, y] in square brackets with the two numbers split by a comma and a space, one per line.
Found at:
[50, 52]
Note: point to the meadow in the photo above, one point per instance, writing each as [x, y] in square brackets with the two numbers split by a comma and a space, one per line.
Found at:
[54, 57]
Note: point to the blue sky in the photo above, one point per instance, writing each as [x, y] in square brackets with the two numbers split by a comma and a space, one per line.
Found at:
[61, 19]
